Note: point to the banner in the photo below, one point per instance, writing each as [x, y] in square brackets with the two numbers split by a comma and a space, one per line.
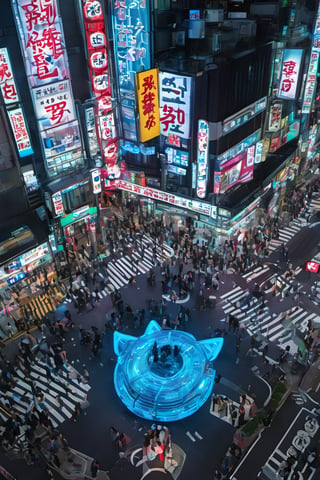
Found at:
[8, 86]
[148, 104]
[20, 132]
[175, 102]
[311, 82]
[290, 74]
[275, 117]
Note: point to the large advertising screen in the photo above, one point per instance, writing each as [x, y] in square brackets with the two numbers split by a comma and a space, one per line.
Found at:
[61, 139]
[290, 70]
[175, 103]
[131, 27]
[148, 104]
[237, 170]
[43, 43]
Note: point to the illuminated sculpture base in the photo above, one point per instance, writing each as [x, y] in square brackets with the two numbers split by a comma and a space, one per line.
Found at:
[164, 375]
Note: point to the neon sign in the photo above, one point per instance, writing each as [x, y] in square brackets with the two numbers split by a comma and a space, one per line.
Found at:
[202, 157]
[131, 26]
[290, 73]
[175, 95]
[148, 104]
[310, 82]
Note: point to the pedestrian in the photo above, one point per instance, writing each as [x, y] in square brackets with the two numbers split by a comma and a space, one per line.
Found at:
[95, 467]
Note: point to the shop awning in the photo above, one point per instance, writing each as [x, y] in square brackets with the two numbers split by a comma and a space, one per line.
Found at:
[21, 233]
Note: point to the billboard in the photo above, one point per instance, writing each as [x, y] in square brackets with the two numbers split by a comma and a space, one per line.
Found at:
[20, 132]
[53, 104]
[275, 117]
[42, 39]
[202, 157]
[290, 70]
[311, 82]
[7, 84]
[177, 157]
[131, 27]
[96, 181]
[237, 170]
[175, 102]
[148, 104]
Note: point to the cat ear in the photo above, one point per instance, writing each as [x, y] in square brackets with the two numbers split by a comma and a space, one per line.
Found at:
[152, 327]
[211, 347]
[121, 342]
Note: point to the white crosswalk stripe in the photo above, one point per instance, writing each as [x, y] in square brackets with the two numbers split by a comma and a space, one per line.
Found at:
[69, 390]
[121, 270]
[285, 234]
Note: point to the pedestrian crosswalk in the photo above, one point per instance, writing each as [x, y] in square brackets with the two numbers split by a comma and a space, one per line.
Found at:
[285, 235]
[256, 318]
[145, 253]
[61, 391]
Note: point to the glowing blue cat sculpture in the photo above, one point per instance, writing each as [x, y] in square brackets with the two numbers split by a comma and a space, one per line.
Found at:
[164, 375]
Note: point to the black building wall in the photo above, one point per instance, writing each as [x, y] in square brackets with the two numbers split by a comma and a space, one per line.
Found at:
[234, 84]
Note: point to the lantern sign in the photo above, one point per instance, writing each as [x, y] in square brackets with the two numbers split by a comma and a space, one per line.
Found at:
[290, 74]
[202, 157]
[148, 104]
[175, 102]
[275, 117]
[97, 47]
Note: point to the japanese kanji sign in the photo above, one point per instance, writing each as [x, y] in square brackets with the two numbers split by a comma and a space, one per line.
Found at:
[290, 73]
[175, 93]
[42, 39]
[53, 104]
[202, 158]
[148, 104]
[20, 132]
[8, 87]
[311, 82]
[131, 26]
[275, 117]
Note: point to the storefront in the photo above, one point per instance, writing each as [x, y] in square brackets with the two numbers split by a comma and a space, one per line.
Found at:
[79, 230]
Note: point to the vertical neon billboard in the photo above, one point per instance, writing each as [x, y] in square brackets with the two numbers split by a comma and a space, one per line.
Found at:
[43, 47]
[148, 104]
[11, 100]
[290, 73]
[96, 41]
[202, 157]
[131, 26]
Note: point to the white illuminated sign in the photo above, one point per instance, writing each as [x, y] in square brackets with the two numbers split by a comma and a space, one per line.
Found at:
[175, 101]
[20, 132]
[290, 74]
[96, 181]
[311, 82]
[7, 84]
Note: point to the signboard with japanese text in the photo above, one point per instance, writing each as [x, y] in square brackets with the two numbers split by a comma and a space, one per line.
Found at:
[274, 143]
[96, 181]
[250, 155]
[177, 157]
[63, 161]
[240, 118]
[258, 154]
[175, 103]
[148, 104]
[275, 117]
[202, 157]
[291, 63]
[20, 132]
[176, 170]
[42, 40]
[240, 147]
[7, 84]
[311, 82]
[53, 104]
[131, 27]
[57, 203]
[61, 139]
[194, 205]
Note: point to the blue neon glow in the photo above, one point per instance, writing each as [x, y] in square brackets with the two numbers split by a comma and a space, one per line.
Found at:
[171, 387]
